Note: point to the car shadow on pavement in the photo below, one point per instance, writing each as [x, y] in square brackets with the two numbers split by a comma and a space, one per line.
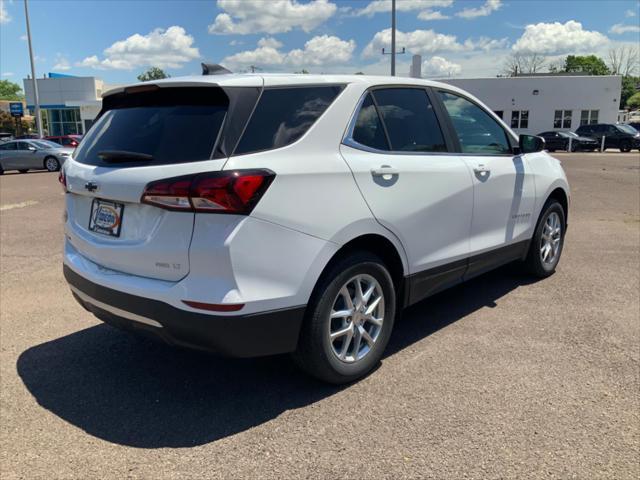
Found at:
[140, 393]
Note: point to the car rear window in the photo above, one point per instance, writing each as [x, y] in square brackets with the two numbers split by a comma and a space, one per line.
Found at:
[283, 115]
[173, 125]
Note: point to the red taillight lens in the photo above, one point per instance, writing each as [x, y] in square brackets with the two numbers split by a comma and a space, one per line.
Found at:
[63, 180]
[235, 192]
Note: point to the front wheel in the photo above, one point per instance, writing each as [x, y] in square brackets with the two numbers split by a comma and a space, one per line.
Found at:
[547, 242]
[348, 321]
[625, 147]
[51, 164]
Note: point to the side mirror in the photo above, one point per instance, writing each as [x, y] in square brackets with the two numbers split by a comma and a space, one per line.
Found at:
[530, 143]
[33, 149]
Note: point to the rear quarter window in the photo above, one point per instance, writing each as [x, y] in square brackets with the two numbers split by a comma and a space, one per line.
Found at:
[283, 115]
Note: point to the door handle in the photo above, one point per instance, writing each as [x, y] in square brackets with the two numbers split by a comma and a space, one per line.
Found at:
[384, 170]
[482, 170]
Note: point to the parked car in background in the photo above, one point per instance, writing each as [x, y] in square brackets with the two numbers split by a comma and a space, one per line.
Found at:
[6, 136]
[635, 125]
[71, 141]
[623, 137]
[260, 214]
[561, 141]
[25, 155]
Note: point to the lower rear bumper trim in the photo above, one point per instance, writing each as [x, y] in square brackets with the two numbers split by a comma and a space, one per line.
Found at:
[250, 335]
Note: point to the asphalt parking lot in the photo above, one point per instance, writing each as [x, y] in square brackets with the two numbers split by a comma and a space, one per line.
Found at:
[499, 378]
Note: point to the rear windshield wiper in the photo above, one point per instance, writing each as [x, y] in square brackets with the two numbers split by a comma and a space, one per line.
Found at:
[124, 156]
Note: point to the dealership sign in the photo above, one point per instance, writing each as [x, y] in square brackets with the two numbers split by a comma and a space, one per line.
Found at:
[16, 109]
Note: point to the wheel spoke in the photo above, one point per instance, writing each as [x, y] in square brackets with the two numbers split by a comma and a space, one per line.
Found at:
[345, 345]
[364, 334]
[341, 313]
[342, 332]
[359, 295]
[371, 308]
[347, 297]
[368, 293]
[374, 320]
[357, 340]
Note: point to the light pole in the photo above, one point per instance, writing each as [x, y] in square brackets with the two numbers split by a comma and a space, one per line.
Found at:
[393, 38]
[36, 97]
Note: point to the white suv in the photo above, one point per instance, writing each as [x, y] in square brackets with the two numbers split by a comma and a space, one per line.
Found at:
[262, 214]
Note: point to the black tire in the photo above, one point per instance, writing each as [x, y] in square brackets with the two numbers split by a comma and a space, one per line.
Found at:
[575, 147]
[51, 164]
[533, 262]
[625, 146]
[1, 170]
[23, 171]
[551, 149]
[315, 354]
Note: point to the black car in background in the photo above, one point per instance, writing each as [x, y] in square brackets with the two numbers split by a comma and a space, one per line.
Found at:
[560, 141]
[623, 137]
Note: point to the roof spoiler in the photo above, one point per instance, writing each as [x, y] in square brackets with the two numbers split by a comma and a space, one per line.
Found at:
[214, 69]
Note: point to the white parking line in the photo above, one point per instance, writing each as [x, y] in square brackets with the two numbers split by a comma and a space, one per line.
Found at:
[11, 206]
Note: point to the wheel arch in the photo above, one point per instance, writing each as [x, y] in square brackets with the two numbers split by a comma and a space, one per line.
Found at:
[562, 197]
[391, 255]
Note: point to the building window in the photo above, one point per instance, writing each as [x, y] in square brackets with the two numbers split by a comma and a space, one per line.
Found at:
[64, 121]
[588, 117]
[562, 119]
[520, 119]
[499, 113]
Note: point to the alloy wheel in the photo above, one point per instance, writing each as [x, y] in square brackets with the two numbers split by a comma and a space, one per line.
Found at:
[356, 318]
[51, 164]
[550, 239]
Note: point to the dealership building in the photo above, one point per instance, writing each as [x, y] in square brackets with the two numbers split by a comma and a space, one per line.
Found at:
[69, 104]
[536, 103]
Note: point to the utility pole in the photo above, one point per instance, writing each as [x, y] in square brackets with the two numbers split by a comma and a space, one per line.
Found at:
[393, 37]
[393, 40]
[36, 97]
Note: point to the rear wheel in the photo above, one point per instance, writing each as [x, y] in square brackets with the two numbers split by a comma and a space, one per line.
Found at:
[349, 320]
[574, 146]
[547, 242]
[51, 164]
[625, 146]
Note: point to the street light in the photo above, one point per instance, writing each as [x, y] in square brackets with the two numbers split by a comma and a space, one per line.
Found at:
[36, 97]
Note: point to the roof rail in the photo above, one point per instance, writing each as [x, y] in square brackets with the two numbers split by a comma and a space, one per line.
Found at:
[214, 69]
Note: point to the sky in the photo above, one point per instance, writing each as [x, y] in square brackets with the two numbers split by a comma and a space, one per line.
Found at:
[116, 40]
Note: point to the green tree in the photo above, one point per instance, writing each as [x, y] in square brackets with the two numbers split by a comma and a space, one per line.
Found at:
[8, 124]
[590, 64]
[634, 101]
[154, 73]
[10, 91]
[629, 88]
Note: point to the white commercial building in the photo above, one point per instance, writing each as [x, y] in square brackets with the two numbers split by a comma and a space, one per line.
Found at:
[537, 103]
[69, 104]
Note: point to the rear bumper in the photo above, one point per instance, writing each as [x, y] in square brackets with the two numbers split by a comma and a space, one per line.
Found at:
[251, 335]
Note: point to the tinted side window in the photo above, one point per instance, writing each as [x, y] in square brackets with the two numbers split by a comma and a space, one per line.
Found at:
[368, 128]
[283, 115]
[8, 146]
[477, 131]
[410, 120]
[23, 146]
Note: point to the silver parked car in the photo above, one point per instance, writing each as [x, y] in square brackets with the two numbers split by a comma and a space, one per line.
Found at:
[25, 155]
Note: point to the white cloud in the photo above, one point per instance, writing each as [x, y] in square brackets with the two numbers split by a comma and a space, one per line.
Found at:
[630, 13]
[273, 16]
[319, 51]
[620, 28]
[381, 6]
[4, 14]
[432, 15]
[23, 38]
[169, 48]
[62, 63]
[558, 38]
[424, 42]
[486, 9]
[439, 66]
[7, 74]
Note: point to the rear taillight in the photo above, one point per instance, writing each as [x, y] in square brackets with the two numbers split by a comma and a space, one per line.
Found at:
[236, 191]
[63, 180]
